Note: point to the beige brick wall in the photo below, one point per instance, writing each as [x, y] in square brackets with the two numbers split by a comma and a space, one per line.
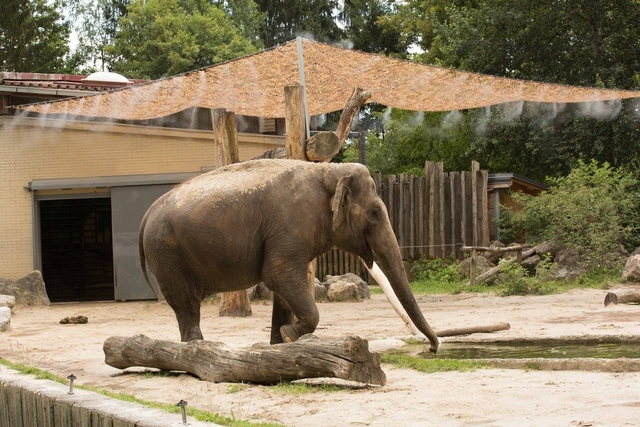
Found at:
[45, 149]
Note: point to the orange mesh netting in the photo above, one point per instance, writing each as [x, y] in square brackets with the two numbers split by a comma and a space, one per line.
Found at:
[254, 85]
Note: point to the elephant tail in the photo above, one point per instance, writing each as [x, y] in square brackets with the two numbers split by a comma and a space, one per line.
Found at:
[143, 257]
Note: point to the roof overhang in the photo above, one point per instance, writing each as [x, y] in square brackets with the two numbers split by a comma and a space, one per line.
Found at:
[506, 180]
[109, 181]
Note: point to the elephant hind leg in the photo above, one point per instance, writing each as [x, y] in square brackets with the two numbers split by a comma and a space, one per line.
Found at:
[182, 295]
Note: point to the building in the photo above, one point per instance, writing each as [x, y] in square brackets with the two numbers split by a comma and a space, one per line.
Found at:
[73, 191]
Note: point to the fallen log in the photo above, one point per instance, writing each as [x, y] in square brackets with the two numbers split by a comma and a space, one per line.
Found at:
[309, 357]
[473, 330]
[622, 296]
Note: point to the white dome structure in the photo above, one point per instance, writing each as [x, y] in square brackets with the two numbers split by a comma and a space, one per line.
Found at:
[107, 76]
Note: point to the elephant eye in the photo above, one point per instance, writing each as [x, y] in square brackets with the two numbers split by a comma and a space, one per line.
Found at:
[374, 214]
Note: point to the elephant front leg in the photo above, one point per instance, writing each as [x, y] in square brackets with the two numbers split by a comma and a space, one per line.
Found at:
[280, 316]
[286, 304]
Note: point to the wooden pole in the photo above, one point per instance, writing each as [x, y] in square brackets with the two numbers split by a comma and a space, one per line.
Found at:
[295, 142]
[232, 304]
[295, 122]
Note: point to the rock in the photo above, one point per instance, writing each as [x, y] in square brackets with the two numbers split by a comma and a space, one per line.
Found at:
[29, 290]
[7, 301]
[363, 289]
[494, 257]
[343, 291]
[320, 291]
[550, 247]
[482, 265]
[530, 264]
[568, 258]
[631, 270]
[5, 319]
[575, 274]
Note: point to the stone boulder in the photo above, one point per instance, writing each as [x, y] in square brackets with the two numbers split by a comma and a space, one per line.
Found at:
[494, 257]
[482, 265]
[320, 291]
[631, 270]
[548, 248]
[343, 291]
[7, 301]
[530, 264]
[5, 319]
[29, 290]
[347, 287]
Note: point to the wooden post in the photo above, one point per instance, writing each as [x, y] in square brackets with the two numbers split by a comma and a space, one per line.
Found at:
[475, 166]
[232, 304]
[295, 122]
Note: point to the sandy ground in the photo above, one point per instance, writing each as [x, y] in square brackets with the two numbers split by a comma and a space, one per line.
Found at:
[487, 397]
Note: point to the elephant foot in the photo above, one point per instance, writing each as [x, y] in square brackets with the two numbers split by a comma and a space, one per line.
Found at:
[288, 333]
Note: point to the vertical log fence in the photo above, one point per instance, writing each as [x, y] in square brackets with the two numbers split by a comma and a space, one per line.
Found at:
[433, 216]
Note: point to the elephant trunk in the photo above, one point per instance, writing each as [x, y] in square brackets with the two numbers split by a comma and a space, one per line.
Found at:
[391, 265]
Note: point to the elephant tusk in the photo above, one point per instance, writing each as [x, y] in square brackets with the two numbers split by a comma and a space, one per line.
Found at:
[384, 283]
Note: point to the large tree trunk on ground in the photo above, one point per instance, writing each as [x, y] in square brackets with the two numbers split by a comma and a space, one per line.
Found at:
[309, 357]
[622, 296]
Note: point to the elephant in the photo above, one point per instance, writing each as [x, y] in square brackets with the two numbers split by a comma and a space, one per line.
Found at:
[265, 220]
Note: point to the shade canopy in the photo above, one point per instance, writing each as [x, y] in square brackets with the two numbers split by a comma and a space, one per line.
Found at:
[254, 86]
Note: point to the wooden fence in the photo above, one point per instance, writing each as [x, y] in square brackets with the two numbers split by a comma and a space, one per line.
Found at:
[433, 216]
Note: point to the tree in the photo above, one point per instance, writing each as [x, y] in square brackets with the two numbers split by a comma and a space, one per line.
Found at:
[96, 25]
[573, 42]
[33, 36]
[166, 37]
[365, 28]
[286, 19]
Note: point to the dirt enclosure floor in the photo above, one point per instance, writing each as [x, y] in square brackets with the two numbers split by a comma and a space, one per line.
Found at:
[486, 397]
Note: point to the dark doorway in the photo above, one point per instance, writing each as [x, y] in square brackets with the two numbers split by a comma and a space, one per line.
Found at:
[77, 249]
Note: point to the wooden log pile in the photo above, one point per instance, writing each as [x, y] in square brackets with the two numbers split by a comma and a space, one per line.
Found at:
[309, 357]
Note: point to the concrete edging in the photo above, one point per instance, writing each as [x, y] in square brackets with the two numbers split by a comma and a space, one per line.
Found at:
[27, 402]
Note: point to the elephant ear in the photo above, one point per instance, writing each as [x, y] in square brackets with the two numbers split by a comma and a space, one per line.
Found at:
[341, 203]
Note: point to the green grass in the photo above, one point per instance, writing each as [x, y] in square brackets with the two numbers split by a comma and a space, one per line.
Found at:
[432, 365]
[192, 412]
[303, 388]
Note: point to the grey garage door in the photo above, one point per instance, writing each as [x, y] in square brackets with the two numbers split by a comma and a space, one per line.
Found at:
[128, 206]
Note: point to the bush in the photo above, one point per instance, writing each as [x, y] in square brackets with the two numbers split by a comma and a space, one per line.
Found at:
[439, 270]
[595, 210]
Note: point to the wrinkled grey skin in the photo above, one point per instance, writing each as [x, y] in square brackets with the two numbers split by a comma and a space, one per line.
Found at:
[265, 220]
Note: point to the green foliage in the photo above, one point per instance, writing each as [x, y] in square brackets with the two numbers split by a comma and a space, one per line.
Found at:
[442, 270]
[33, 36]
[162, 38]
[431, 365]
[409, 138]
[516, 281]
[286, 19]
[594, 210]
